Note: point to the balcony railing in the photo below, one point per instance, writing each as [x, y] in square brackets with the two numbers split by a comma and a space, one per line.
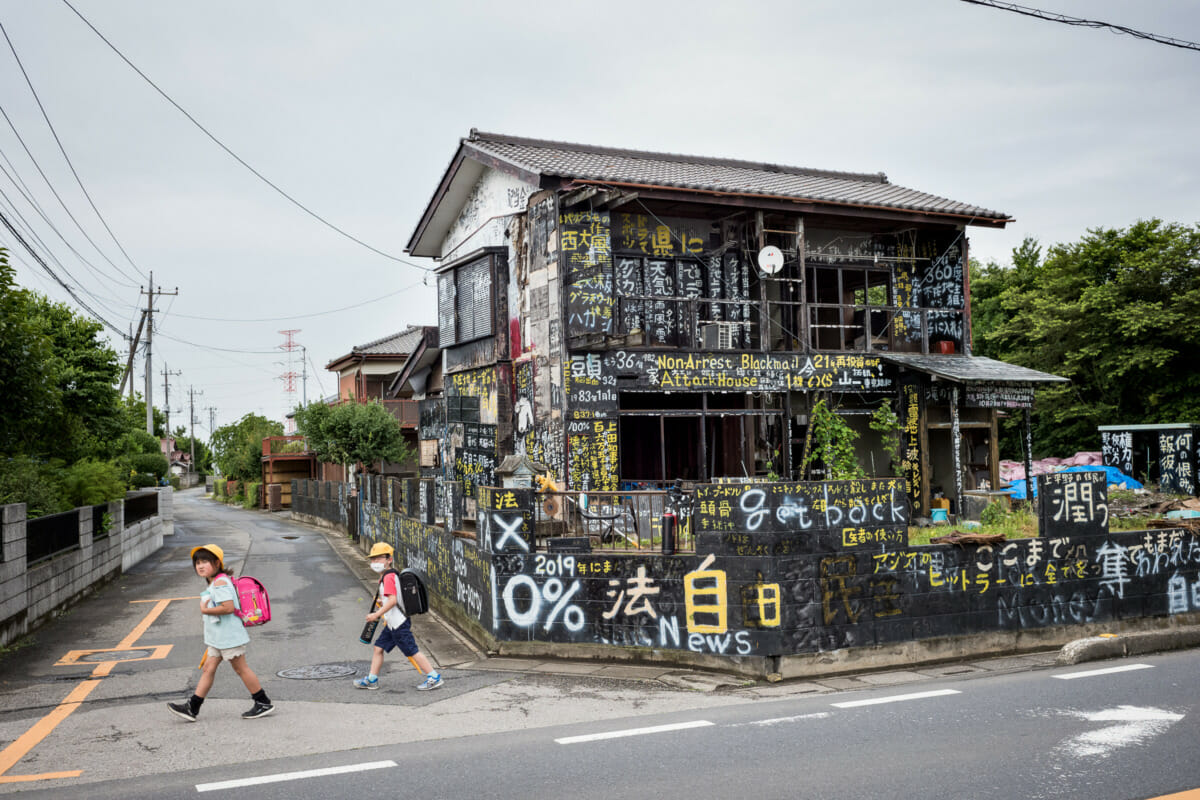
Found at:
[703, 324]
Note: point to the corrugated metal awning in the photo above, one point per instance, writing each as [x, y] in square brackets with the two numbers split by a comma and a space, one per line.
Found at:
[970, 369]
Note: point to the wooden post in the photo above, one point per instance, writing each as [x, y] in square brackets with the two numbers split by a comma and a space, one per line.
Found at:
[956, 439]
[1028, 457]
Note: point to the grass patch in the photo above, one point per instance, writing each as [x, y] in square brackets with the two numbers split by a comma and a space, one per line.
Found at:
[1018, 524]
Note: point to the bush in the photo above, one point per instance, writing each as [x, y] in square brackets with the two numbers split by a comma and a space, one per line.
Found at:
[250, 500]
[141, 480]
[993, 514]
[34, 483]
[152, 463]
[174, 481]
[218, 490]
[89, 483]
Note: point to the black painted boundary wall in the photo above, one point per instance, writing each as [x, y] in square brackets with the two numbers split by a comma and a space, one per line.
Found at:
[787, 569]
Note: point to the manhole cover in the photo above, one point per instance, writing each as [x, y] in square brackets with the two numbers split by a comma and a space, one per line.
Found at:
[119, 655]
[317, 672]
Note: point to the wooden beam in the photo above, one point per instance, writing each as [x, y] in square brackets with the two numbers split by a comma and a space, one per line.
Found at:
[579, 195]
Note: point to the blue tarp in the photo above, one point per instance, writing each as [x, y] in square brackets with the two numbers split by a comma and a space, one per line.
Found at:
[1115, 478]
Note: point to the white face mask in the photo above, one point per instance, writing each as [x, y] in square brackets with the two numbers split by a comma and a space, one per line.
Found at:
[378, 566]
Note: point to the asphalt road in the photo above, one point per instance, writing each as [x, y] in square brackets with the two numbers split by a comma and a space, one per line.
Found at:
[67, 730]
[1103, 735]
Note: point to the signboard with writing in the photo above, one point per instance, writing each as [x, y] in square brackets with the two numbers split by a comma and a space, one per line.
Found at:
[505, 520]
[910, 442]
[789, 518]
[475, 459]
[1176, 465]
[769, 372]
[1116, 447]
[628, 278]
[1072, 503]
[586, 247]
[592, 452]
[998, 395]
[659, 237]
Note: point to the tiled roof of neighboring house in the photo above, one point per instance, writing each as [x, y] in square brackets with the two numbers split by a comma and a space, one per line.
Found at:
[398, 344]
[618, 166]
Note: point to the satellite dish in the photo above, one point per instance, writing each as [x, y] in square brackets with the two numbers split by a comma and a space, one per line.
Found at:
[770, 259]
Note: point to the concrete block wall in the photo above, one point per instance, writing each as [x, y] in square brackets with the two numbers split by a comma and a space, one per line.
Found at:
[789, 575]
[31, 596]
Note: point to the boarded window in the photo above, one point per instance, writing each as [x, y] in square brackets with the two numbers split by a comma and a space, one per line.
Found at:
[465, 303]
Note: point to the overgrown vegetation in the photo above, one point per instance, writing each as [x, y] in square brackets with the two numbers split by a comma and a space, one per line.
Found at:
[1115, 312]
[832, 444]
[66, 437]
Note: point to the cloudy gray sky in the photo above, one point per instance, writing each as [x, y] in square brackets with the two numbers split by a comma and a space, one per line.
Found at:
[356, 108]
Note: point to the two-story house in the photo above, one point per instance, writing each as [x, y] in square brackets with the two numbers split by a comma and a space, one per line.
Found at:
[631, 318]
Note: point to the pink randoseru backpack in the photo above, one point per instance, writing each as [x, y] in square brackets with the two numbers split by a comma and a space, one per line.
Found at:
[253, 604]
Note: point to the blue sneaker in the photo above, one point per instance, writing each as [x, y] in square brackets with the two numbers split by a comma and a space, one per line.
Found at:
[367, 683]
[431, 682]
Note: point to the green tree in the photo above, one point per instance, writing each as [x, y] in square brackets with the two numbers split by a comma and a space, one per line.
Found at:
[1115, 313]
[353, 433]
[24, 358]
[237, 448]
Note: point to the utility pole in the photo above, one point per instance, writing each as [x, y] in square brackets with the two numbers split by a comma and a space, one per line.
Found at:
[166, 373]
[149, 346]
[192, 435]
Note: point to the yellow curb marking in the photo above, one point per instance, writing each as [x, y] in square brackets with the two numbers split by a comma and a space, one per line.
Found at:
[11, 755]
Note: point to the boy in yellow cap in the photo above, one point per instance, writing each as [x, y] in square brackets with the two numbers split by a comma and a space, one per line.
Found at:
[397, 630]
[224, 635]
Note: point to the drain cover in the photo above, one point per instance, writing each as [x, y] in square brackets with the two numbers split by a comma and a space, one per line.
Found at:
[317, 672]
[117, 655]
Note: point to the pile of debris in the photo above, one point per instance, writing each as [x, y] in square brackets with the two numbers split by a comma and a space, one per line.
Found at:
[963, 538]
[1141, 503]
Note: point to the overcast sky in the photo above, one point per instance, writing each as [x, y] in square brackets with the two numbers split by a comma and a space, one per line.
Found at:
[356, 108]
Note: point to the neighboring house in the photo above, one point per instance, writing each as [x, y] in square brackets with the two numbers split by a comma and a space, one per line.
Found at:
[630, 318]
[365, 373]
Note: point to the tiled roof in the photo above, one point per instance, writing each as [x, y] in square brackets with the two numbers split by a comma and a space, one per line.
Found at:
[400, 344]
[970, 369]
[633, 167]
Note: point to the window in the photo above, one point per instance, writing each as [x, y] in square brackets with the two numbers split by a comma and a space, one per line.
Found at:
[465, 302]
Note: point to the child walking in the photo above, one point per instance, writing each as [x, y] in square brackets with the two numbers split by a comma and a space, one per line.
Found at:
[397, 629]
[223, 634]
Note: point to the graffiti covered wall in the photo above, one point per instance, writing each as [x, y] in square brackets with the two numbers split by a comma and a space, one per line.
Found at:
[798, 568]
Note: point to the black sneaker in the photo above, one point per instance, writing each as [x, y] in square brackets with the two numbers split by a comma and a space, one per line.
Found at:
[259, 710]
[183, 709]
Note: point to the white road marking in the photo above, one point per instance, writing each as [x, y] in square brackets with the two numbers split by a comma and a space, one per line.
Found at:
[292, 776]
[780, 720]
[1091, 673]
[896, 698]
[1134, 726]
[592, 737]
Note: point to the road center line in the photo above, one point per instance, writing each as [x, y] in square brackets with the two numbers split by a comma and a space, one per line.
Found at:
[896, 698]
[292, 776]
[1091, 673]
[592, 737]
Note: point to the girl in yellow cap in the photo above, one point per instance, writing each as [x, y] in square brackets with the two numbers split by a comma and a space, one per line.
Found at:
[224, 635]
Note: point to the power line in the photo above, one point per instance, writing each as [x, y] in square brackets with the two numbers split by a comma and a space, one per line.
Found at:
[61, 282]
[1086, 23]
[303, 316]
[238, 158]
[57, 196]
[63, 150]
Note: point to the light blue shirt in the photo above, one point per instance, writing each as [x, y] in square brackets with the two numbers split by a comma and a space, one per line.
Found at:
[222, 631]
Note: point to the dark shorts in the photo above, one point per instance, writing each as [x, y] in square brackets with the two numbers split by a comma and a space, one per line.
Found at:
[401, 637]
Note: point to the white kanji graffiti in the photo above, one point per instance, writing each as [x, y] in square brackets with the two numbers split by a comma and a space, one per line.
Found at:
[1113, 566]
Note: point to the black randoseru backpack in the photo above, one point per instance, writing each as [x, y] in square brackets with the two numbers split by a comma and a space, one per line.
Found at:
[412, 597]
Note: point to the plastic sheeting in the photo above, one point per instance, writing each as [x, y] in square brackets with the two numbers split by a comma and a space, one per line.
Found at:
[1116, 479]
